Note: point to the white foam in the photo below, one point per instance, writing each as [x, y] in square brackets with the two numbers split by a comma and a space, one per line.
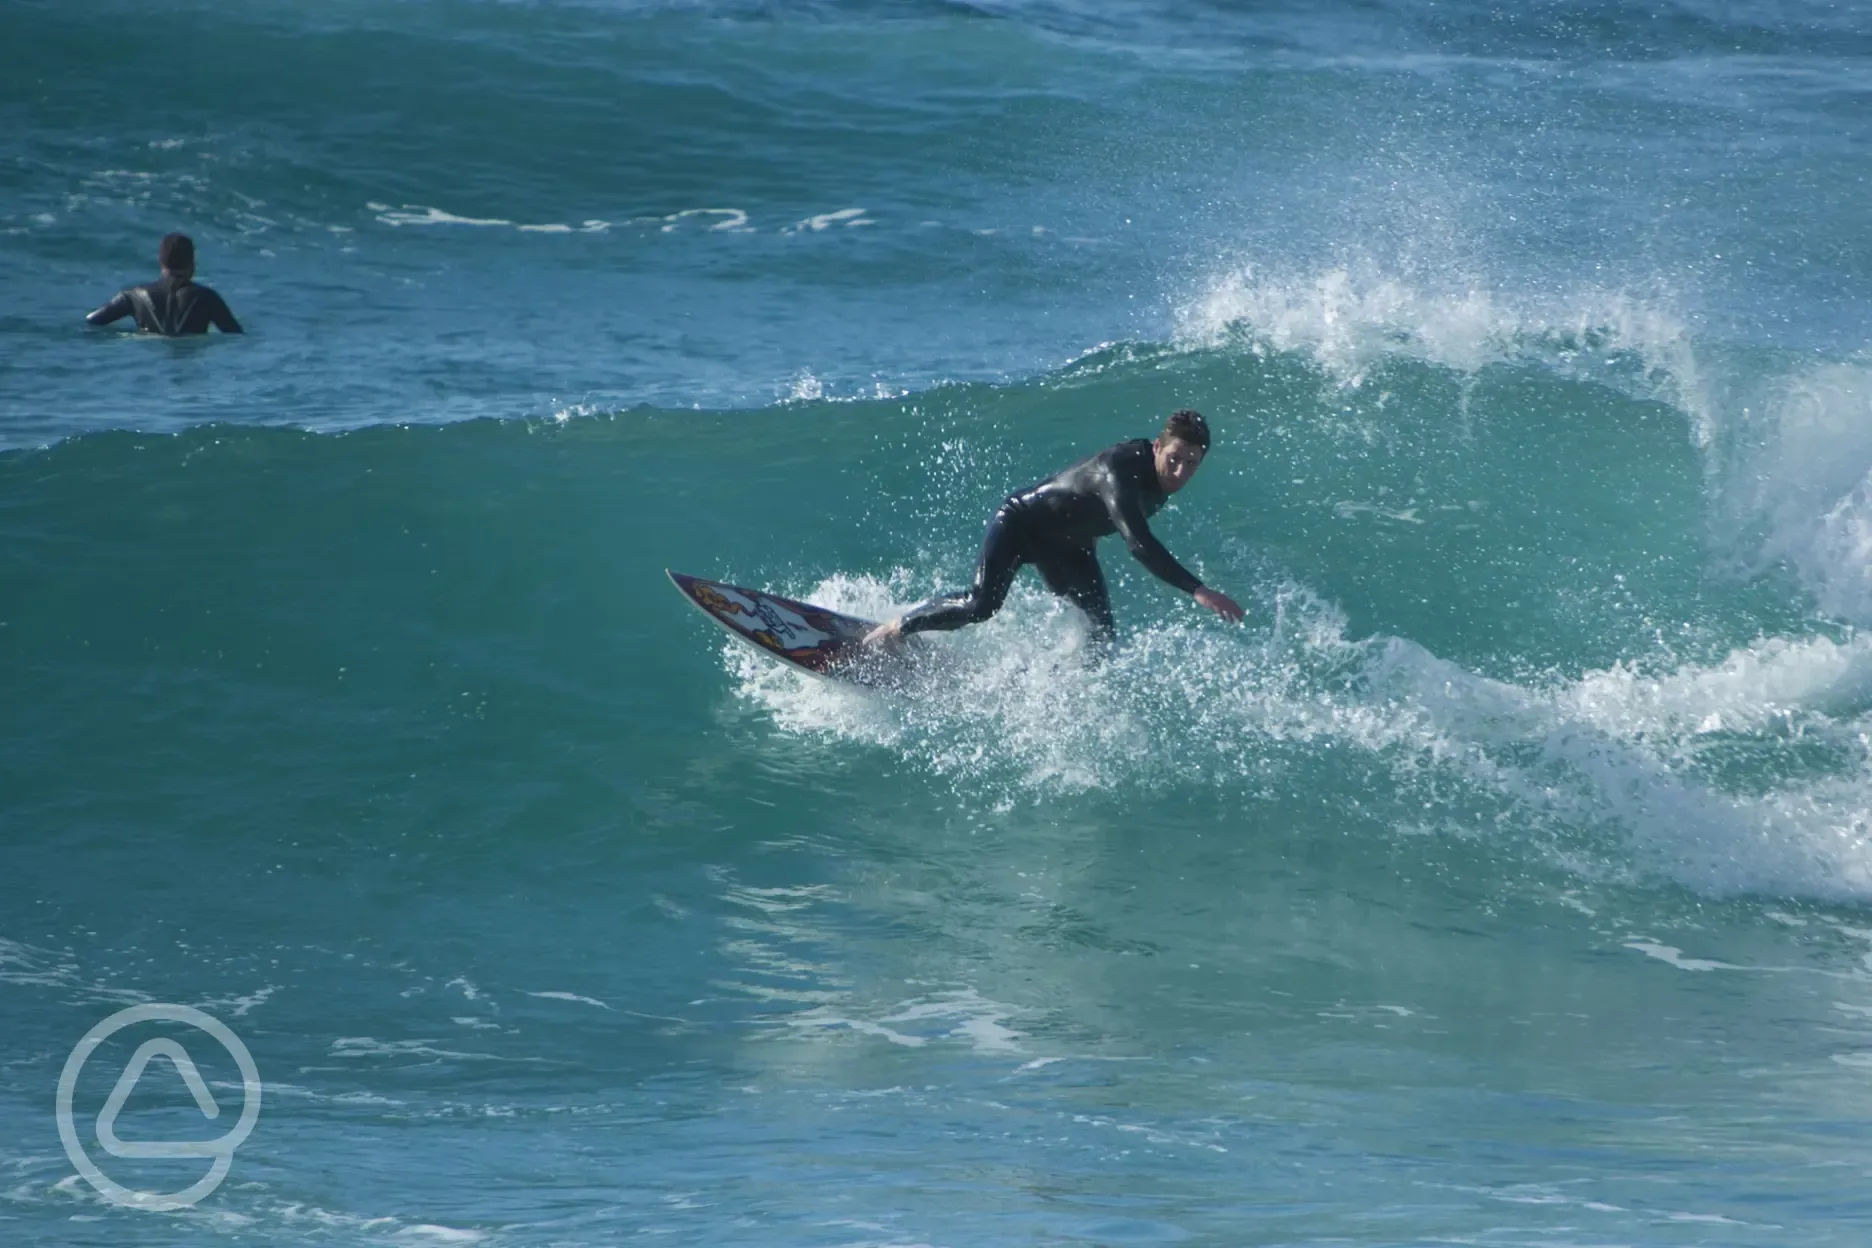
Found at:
[366, 1046]
[1716, 1218]
[980, 1019]
[1675, 957]
[1010, 712]
[1748, 691]
[417, 214]
[570, 412]
[804, 387]
[240, 1004]
[1349, 318]
[732, 220]
[27, 964]
[1810, 837]
[954, 1015]
[831, 1017]
[439, 1234]
[1621, 751]
[847, 217]
[1799, 468]
[570, 996]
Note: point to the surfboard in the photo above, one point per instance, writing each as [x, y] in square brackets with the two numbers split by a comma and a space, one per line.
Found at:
[814, 640]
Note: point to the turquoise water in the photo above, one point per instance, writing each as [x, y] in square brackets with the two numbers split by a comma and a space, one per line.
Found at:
[1503, 881]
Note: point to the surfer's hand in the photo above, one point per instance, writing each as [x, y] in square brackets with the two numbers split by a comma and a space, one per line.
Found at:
[1220, 603]
[888, 635]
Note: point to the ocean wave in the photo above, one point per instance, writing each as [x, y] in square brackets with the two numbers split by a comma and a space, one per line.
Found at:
[1349, 319]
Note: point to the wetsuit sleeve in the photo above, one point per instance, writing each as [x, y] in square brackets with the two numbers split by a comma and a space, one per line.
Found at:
[1143, 544]
[222, 318]
[118, 308]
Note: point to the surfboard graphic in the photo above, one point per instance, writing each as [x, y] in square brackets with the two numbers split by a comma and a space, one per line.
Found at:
[814, 640]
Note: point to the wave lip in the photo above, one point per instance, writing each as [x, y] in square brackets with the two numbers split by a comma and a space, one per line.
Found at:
[1348, 319]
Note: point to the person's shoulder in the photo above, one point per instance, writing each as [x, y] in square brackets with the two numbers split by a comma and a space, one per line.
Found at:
[1131, 455]
[205, 292]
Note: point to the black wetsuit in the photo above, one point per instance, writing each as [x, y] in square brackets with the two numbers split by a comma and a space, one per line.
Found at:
[169, 306]
[1053, 526]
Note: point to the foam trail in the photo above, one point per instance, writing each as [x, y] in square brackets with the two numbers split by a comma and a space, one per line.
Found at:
[1012, 714]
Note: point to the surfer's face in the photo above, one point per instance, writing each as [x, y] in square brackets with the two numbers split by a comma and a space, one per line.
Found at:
[1177, 462]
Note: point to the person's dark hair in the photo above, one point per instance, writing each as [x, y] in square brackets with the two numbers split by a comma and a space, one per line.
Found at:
[177, 252]
[1189, 426]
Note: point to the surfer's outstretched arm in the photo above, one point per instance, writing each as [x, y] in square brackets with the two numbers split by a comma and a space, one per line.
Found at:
[1150, 552]
[1175, 455]
[1128, 518]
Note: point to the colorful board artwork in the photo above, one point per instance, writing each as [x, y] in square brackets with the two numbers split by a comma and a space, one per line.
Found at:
[814, 640]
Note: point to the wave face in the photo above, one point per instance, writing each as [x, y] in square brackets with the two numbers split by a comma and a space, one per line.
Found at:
[1502, 881]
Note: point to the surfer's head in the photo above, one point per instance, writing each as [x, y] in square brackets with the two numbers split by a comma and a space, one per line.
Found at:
[177, 255]
[1180, 448]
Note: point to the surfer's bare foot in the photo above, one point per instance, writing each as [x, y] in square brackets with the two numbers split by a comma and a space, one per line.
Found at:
[886, 637]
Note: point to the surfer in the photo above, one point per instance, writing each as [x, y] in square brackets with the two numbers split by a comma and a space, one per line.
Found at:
[1054, 525]
[174, 303]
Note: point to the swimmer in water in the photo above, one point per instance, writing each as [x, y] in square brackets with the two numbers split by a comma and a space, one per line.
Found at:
[174, 303]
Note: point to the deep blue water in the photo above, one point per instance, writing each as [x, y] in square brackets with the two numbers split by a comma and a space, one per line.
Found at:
[1503, 881]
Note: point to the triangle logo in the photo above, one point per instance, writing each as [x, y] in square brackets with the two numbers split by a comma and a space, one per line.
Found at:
[184, 1065]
